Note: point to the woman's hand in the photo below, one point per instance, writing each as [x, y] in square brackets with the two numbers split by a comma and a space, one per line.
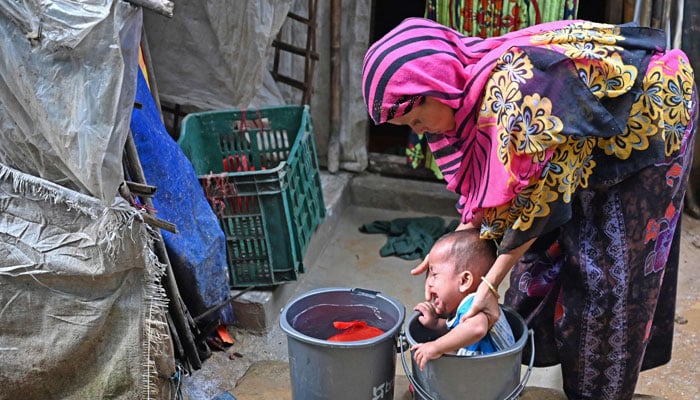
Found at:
[423, 267]
[485, 300]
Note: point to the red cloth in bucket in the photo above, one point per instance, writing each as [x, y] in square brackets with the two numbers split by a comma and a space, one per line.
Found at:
[354, 331]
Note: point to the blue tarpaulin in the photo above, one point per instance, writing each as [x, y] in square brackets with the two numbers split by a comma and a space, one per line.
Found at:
[198, 251]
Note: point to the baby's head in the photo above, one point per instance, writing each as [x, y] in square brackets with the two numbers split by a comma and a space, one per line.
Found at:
[457, 261]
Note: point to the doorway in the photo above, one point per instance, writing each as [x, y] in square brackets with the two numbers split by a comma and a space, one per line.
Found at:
[387, 14]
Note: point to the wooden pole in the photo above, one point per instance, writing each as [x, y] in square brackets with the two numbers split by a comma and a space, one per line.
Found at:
[148, 60]
[334, 140]
[177, 309]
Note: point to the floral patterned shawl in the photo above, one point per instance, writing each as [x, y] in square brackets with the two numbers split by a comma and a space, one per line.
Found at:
[537, 111]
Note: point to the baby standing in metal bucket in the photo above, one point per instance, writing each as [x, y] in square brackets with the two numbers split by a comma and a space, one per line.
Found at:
[452, 281]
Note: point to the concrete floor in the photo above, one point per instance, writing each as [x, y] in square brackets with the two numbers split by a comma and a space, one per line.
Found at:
[256, 366]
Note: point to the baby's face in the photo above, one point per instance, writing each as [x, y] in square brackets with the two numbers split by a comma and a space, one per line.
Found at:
[443, 285]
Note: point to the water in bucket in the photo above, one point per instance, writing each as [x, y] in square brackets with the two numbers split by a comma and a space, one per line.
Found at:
[323, 369]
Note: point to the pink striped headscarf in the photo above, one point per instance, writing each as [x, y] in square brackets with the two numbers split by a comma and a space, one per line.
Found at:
[423, 58]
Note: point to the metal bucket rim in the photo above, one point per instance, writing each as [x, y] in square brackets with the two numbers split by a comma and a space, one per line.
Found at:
[392, 333]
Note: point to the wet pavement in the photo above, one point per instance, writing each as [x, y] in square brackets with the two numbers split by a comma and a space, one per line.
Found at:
[256, 366]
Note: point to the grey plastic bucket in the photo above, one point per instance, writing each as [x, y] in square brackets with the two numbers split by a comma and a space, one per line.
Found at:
[321, 369]
[494, 376]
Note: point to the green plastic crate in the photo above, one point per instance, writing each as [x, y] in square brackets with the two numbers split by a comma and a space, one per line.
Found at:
[269, 200]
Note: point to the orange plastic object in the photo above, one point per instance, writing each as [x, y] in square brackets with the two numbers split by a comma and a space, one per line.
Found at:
[354, 331]
[223, 334]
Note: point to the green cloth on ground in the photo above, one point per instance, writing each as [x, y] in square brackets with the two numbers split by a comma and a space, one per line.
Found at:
[410, 238]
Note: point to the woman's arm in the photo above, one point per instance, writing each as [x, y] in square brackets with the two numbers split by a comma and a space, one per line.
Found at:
[485, 300]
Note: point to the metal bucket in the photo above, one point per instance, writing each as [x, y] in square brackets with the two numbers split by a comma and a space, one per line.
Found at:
[494, 376]
[322, 369]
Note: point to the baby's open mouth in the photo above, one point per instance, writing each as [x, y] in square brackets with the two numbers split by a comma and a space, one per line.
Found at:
[436, 302]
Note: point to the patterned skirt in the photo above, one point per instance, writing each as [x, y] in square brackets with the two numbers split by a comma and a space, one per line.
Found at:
[600, 291]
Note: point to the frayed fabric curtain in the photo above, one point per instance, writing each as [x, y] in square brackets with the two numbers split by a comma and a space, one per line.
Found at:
[82, 311]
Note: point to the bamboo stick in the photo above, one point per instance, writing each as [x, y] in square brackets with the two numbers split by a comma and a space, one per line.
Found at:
[152, 84]
[178, 311]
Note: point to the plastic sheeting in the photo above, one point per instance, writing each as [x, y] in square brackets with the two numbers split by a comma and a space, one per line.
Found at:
[213, 54]
[67, 76]
[81, 308]
[202, 63]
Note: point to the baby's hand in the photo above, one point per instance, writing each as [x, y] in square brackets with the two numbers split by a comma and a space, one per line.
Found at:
[428, 317]
[424, 352]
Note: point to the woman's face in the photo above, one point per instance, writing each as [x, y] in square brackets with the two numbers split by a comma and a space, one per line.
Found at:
[431, 116]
